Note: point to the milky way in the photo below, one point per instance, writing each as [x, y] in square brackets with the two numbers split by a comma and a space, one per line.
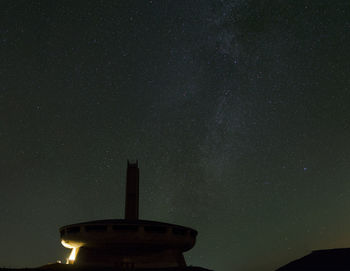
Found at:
[237, 112]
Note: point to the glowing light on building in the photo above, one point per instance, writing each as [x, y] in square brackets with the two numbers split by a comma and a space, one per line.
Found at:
[73, 253]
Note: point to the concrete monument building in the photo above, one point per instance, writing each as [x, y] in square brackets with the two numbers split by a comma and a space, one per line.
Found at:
[129, 242]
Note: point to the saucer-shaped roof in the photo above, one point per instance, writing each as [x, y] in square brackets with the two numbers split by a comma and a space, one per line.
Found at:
[121, 233]
[126, 222]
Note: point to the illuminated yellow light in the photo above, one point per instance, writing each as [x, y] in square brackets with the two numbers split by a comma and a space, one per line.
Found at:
[73, 253]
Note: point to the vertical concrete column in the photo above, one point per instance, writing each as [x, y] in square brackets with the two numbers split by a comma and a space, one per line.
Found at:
[132, 192]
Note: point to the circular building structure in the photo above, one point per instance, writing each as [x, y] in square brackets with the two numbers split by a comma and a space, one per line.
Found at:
[129, 242]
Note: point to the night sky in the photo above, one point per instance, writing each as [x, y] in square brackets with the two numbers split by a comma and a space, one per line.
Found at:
[237, 111]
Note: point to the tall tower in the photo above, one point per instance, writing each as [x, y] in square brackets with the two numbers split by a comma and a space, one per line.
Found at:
[132, 192]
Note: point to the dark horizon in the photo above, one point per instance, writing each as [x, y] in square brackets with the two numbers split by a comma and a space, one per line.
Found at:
[237, 110]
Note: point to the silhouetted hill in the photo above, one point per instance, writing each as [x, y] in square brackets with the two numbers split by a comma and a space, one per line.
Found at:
[65, 267]
[328, 259]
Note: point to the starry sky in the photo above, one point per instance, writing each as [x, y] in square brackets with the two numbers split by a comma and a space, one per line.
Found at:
[238, 112]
